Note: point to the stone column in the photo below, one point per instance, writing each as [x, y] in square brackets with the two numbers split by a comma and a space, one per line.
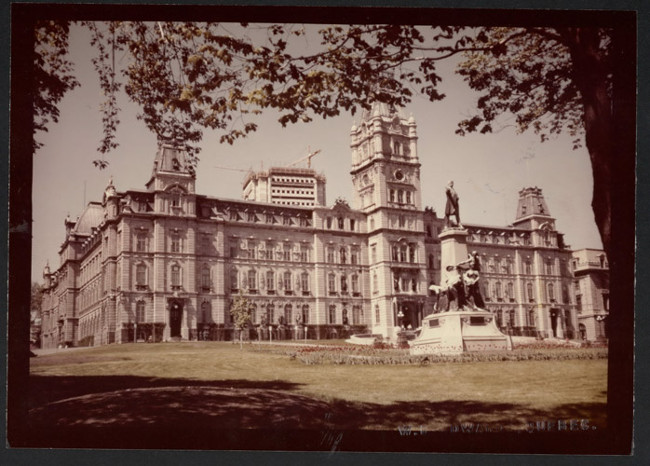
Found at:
[453, 249]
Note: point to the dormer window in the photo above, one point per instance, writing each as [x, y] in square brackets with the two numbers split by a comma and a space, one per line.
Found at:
[176, 164]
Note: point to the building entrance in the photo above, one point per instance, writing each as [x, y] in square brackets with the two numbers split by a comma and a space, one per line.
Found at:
[175, 317]
[409, 314]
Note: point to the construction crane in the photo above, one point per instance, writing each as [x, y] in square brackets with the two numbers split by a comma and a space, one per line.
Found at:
[234, 169]
[307, 157]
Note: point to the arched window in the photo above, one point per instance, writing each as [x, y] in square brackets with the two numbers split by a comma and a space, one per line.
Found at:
[344, 284]
[341, 223]
[331, 317]
[305, 314]
[205, 312]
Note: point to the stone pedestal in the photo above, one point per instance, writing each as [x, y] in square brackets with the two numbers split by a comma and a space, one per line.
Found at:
[453, 249]
[459, 331]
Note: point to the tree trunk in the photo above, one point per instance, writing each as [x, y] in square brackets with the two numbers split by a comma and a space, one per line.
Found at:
[590, 74]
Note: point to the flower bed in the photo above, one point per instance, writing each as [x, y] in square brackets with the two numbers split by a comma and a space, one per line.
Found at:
[387, 355]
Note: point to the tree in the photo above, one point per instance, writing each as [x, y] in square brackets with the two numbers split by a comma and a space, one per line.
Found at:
[188, 77]
[552, 81]
[35, 310]
[240, 309]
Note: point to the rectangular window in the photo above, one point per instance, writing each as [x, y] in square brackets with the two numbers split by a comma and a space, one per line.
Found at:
[205, 278]
[140, 311]
[330, 255]
[332, 314]
[287, 282]
[252, 281]
[286, 252]
[304, 283]
[270, 282]
[141, 275]
[355, 284]
[354, 256]
[331, 283]
[176, 243]
[141, 243]
[176, 276]
[234, 282]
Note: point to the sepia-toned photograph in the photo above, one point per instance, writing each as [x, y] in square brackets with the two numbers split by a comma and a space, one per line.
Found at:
[321, 229]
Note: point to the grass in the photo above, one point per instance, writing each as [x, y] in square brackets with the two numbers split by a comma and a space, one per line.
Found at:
[216, 385]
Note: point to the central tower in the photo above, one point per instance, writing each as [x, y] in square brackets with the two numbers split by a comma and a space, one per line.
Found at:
[386, 178]
[385, 164]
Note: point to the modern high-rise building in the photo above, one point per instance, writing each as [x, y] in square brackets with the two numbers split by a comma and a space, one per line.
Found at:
[165, 263]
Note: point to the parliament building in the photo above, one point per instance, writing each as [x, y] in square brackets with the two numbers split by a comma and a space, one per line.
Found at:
[165, 263]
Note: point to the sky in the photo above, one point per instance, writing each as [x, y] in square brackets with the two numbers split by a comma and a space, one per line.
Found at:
[488, 170]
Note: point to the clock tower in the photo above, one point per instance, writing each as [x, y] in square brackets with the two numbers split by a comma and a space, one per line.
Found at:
[386, 177]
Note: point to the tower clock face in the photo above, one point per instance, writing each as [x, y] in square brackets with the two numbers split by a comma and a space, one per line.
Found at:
[399, 176]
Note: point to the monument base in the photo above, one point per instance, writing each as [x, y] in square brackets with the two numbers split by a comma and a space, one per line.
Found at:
[459, 331]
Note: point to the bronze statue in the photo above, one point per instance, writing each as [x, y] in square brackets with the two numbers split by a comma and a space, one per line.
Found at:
[451, 208]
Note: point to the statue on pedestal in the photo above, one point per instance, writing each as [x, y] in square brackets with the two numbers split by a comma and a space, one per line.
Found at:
[462, 286]
[451, 208]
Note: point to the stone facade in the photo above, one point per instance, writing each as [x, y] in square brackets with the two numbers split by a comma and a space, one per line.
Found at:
[164, 263]
[591, 289]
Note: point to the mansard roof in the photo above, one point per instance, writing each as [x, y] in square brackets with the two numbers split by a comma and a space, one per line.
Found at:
[91, 218]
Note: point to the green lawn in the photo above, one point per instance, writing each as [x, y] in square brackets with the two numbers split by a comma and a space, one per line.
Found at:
[214, 385]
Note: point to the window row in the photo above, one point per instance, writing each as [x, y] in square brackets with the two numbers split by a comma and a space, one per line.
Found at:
[340, 255]
[340, 223]
[401, 196]
[339, 284]
[404, 283]
[253, 281]
[402, 252]
[497, 291]
[270, 250]
[272, 219]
